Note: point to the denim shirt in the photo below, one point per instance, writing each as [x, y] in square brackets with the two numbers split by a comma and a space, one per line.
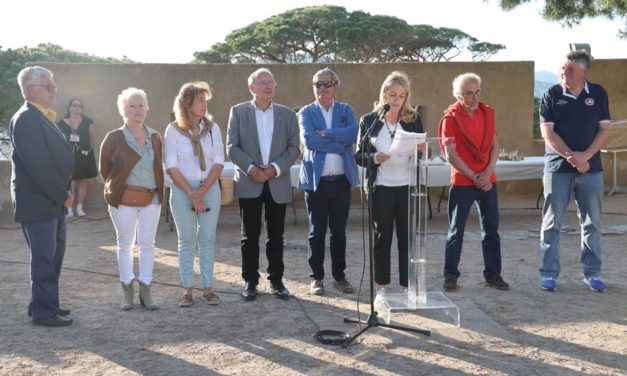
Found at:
[143, 174]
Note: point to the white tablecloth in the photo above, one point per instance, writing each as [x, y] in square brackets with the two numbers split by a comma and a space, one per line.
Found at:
[439, 173]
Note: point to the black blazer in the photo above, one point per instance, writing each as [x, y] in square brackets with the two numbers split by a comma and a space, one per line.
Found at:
[42, 162]
[367, 159]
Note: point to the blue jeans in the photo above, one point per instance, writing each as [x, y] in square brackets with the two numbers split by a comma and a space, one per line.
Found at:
[195, 230]
[558, 188]
[328, 205]
[460, 201]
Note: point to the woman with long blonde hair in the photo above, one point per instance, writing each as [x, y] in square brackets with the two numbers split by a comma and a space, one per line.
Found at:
[388, 176]
[194, 159]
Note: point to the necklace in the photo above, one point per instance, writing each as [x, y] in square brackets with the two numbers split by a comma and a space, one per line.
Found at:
[390, 131]
[139, 135]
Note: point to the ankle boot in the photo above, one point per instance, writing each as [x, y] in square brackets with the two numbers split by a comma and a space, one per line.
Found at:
[145, 299]
[127, 297]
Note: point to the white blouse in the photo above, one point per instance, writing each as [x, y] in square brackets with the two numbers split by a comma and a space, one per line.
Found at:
[179, 152]
[395, 171]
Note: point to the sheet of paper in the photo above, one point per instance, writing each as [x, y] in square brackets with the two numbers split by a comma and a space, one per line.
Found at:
[404, 143]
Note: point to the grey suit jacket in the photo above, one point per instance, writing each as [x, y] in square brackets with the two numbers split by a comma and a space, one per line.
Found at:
[242, 147]
[42, 162]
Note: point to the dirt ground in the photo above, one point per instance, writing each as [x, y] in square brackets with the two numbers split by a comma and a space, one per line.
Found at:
[524, 331]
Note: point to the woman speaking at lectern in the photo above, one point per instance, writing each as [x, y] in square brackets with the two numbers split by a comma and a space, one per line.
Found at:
[388, 176]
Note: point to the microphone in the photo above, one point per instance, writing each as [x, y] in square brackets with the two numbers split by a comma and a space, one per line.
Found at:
[383, 111]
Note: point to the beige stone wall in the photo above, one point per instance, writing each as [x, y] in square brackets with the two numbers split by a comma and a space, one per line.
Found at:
[507, 86]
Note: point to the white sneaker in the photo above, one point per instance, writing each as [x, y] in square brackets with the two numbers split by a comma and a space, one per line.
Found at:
[70, 213]
[80, 212]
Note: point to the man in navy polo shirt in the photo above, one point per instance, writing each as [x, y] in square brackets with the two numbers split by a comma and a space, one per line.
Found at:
[575, 121]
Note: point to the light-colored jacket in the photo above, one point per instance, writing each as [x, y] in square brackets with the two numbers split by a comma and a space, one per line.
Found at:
[242, 147]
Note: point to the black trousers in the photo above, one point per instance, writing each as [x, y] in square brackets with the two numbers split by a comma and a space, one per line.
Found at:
[250, 210]
[328, 206]
[390, 206]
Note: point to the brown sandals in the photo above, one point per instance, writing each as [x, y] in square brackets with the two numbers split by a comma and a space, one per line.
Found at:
[210, 298]
[186, 301]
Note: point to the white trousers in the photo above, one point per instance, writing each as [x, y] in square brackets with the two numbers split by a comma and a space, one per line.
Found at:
[133, 223]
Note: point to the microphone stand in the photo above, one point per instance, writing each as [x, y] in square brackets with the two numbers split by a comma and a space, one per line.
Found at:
[373, 320]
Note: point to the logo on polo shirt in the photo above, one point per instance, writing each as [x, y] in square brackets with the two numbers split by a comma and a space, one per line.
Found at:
[561, 102]
[589, 102]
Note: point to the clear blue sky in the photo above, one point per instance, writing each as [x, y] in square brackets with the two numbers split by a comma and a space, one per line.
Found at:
[170, 32]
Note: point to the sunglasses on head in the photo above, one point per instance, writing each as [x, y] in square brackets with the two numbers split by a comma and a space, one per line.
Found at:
[320, 84]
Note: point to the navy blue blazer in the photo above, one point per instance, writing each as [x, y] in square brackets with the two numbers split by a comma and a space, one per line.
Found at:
[42, 162]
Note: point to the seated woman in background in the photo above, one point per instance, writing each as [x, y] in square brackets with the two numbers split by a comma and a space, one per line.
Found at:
[80, 131]
[194, 159]
[388, 176]
[132, 171]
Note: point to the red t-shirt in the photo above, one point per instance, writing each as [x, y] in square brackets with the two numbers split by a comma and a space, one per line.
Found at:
[477, 125]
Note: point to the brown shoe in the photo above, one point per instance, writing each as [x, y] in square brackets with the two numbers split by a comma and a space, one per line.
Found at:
[497, 282]
[450, 283]
[344, 286]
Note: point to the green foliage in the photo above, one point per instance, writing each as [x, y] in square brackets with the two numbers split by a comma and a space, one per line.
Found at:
[536, 119]
[484, 50]
[332, 34]
[13, 61]
[570, 13]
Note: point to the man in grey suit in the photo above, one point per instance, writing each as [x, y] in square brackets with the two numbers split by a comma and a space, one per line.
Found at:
[42, 162]
[263, 143]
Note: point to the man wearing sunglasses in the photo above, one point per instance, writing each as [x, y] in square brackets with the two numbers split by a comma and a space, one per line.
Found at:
[42, 162]
[328, 131]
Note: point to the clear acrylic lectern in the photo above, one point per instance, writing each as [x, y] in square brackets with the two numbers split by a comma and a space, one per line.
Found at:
[417, 297]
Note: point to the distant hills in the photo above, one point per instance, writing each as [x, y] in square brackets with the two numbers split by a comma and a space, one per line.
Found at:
[542, 81]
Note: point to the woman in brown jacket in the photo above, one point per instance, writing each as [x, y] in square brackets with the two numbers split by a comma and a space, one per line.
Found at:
[131, 167]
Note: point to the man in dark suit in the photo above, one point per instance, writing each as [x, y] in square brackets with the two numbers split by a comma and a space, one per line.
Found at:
[42, 162]
[262, 142]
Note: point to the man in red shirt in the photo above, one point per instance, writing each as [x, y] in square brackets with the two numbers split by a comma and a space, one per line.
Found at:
[468, 136]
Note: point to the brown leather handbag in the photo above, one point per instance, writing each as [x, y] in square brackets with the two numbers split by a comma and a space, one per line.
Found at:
[136, 196]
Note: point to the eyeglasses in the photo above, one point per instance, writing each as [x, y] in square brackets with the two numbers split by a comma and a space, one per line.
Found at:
[470, 94]
[77, 105]
[265, 83]
[320, 84]
[50, 87]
